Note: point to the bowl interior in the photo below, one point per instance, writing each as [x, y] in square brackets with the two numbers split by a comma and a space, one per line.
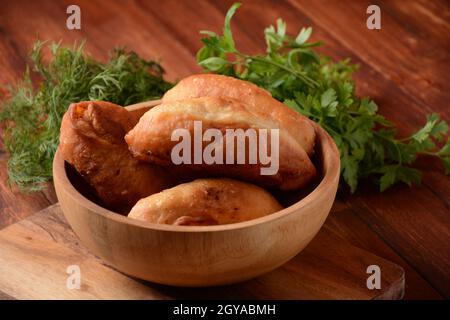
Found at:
[326, 159]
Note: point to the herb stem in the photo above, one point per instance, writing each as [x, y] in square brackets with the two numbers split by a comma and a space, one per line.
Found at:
[307, 80]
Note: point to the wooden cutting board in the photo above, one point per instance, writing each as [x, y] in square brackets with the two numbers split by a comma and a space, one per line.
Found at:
[35, 254]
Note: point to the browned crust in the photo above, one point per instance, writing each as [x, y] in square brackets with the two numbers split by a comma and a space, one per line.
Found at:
[206, 202]
[259, 100]
[92, 141]
[150, 140]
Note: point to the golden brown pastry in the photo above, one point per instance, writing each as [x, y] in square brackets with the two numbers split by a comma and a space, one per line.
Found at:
[259, 100]
[206, 202]
[92, 141]
[150, 140]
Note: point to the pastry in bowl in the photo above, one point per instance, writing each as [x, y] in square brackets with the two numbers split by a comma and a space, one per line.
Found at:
[259, 101]
[206, 202]
[152, 140]
[92, 141]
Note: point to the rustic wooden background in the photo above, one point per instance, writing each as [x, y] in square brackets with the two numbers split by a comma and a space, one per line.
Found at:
[405, 68]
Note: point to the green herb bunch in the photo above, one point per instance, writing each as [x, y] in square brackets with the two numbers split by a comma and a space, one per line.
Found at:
[324, 91]
[32, 117]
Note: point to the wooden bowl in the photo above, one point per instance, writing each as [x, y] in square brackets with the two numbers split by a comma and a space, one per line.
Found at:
[201, 255]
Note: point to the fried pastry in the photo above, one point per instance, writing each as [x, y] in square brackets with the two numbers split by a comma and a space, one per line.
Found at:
[259, 100]
[151, 140]
[206, 202]
[92, 141]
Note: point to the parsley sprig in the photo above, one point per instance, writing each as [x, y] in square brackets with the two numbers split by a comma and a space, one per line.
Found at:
[324, 91]
[32, 111]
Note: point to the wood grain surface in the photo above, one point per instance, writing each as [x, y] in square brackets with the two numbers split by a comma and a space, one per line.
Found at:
[404, 66]
[35, 253]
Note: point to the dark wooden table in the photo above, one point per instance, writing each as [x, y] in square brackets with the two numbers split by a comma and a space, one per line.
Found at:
[405, 68]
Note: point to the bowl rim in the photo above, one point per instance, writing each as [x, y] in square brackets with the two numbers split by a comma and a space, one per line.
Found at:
[332, 173]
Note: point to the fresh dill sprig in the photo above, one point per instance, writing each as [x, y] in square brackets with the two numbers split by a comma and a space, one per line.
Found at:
[323, 90]
[31, 118]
